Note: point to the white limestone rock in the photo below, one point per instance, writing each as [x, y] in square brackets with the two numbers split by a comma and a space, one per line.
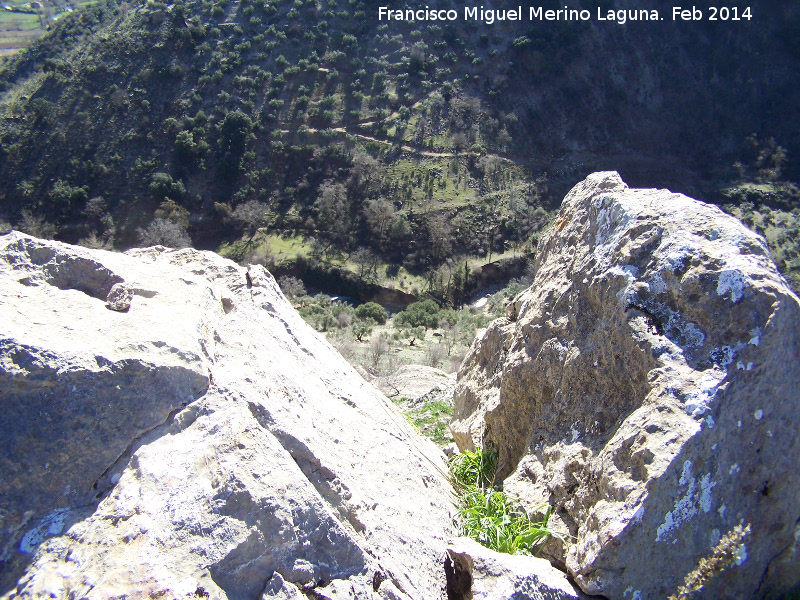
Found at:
[478, 573]
[206, 443]
[647, 385]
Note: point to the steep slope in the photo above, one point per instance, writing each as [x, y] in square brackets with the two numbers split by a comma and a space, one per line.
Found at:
[647, 386]
[358, 132]
[205, 441]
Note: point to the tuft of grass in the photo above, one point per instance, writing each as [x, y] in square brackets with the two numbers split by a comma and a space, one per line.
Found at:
[473, 470]
[490, 517]
[495, 521]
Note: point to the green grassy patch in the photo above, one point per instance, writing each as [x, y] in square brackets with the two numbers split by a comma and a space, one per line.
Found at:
[490, 517]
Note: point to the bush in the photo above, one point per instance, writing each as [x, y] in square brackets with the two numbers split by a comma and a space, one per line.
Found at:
[66, 195]
[419, 314]
[162, 185]
[373, 311]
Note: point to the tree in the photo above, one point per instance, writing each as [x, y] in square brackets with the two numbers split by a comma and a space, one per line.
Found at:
[412, 334]
[361, 329]
[252, 215]
[292, 287]
[381, 217]
[162, 232]
[233, 130]
[419, 314]
[366, 176]
[439, 238]
[334, 213]
[372, 311]
[367, 262]
[377, 348]
[36, 225]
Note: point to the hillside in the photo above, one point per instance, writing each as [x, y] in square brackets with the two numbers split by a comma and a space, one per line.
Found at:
[329, 131]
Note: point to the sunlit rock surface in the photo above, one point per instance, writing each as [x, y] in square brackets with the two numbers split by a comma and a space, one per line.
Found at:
[203, 441]
[647, 384]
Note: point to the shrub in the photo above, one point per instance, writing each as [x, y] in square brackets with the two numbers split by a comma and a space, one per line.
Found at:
[419, 314]
[372, 311]
[63, 194]
[162, 185]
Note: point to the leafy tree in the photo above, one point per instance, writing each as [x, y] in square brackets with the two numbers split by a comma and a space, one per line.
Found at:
[233, 131]
[419, 314]
[372, 311]
[412, 334]
[361, 329]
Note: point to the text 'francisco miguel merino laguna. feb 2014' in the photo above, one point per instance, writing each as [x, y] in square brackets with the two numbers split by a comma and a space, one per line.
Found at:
[537, 13]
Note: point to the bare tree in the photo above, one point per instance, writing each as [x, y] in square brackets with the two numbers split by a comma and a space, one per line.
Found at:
[36, 226]
[381, 217]
[334, 218]
[164, 233]
[252, 215]
[378, 347]
[367, 262]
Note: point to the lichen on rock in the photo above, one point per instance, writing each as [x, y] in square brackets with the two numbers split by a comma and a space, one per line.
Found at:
[622, 388]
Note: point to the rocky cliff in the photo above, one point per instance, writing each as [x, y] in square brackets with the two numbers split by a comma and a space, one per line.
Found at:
[172, 428]
[648, 385]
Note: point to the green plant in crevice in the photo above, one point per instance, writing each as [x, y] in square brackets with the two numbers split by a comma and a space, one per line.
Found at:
[490, 517]
[493, 519]
[473, 470]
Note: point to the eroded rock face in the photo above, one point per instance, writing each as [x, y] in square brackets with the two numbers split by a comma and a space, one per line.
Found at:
[648, 385]
[205, 441]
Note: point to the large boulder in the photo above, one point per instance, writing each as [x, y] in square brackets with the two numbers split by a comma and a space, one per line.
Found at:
[647, 385]
[205, 442]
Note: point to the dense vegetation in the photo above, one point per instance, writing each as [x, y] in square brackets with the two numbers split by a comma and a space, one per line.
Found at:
[252, 126]
[422, 333]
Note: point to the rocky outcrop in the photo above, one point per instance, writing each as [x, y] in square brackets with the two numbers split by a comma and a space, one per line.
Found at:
[648, 385]
[204, 442]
